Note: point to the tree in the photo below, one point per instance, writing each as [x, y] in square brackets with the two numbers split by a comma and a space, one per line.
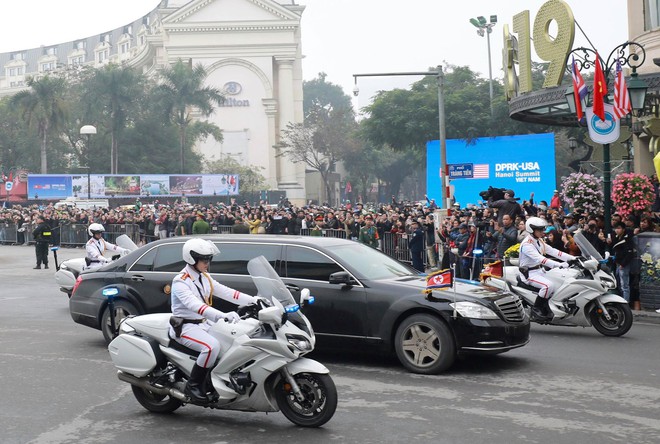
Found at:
[182, 88]
[43, 106]
[115, 91]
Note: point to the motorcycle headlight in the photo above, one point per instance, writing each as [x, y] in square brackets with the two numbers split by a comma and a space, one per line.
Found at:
[608, 283]
[299, 342]
[473, 310]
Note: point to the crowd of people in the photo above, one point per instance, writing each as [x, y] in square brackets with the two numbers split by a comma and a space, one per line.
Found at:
[491, 228]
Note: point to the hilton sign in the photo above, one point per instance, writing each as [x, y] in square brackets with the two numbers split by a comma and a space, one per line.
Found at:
[233, 89]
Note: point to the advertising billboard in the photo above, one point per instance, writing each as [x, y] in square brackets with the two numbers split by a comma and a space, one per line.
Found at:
[525, 164]
[51, 186]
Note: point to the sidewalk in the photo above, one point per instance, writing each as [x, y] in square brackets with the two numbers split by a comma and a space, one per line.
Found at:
[650, 317]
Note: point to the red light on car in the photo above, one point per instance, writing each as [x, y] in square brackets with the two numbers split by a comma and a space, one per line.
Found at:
[75, 286]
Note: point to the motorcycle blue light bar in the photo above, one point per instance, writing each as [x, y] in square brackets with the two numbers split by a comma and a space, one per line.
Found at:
[292, 308]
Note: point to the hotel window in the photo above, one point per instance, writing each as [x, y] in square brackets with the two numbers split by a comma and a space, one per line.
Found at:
[18, 71]
[80, 45]
[125, 47]
[48, 66]
[651, 14]
[18, 56]
[51, 51]
[103, 55]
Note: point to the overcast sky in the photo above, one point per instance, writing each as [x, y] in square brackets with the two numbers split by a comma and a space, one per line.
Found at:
[341, 37]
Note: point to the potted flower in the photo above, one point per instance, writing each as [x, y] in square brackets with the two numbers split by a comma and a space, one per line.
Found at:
[512, 254]
[583, 192]
[632, 192]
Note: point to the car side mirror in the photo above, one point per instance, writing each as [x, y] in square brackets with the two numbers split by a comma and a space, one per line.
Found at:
[340, 277]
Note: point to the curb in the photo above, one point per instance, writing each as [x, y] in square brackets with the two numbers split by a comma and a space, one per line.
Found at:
[650, 317]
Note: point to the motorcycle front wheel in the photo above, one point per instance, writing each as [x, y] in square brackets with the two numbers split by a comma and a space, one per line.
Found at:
[319, 404]
[621, 319]
[155, 403]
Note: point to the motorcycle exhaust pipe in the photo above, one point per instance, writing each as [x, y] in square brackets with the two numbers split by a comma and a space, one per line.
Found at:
[144, 384]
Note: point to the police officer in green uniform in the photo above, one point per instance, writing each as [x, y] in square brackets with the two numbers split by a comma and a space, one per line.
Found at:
[41, 235]
[369, 233]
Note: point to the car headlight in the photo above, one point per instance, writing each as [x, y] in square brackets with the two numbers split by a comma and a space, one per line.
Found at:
[473, 310]
[299, 342]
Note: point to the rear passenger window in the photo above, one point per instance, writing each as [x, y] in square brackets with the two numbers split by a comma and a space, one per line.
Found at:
[169, 258]
[305, 263]
[146, 262]
[233, 258]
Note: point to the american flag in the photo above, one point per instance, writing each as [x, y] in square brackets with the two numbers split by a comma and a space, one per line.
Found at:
[480, 171]
[621, 97]
[580, 90]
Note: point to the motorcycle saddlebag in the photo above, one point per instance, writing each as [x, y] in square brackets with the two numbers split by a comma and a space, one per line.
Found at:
[133, 355]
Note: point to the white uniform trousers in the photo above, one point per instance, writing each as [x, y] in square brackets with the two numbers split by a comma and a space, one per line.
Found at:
[537, 279]
[195, 336]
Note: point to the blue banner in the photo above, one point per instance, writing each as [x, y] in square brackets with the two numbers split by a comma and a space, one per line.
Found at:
[525, 164]
[46, 186]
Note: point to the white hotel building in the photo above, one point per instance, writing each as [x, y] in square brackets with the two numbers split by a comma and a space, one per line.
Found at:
[250, 48]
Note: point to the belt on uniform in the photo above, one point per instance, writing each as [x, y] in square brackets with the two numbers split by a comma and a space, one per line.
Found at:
[177, 324]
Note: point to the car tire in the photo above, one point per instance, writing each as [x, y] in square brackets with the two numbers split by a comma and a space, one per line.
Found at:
[424, 344]
[123, 309]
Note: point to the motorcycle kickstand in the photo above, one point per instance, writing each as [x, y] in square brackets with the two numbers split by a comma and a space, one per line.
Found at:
[604, 310]
[294, 385]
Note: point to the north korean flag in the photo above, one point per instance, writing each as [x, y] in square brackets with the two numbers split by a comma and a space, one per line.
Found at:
[439, 279]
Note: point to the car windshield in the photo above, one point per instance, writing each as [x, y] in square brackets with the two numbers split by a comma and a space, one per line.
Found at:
[368, 263]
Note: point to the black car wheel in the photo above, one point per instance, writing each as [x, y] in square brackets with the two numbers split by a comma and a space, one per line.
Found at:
[123, 309]
[425, 345]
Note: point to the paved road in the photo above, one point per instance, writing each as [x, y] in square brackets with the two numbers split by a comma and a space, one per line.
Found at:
[566, 386]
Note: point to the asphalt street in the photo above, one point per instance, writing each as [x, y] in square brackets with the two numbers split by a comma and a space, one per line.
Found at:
[568, 385]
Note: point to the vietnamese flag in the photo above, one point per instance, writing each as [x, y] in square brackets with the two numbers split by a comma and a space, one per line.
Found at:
[439, 280]
[600, 90]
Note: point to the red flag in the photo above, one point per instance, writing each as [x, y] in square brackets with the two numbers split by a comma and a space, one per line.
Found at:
[579, 90]
[10, 177]
[439, 280]
[494, 269]
[621, 98]
[600, 90]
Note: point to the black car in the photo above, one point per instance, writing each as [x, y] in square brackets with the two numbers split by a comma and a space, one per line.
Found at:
[363, 297]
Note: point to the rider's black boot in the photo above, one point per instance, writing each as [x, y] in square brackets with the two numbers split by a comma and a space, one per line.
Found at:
[541, 310]
[195, 386]
[211, 395]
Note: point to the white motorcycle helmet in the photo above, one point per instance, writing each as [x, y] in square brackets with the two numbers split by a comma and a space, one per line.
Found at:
[535, 223]
[95, 229]
[195, 249]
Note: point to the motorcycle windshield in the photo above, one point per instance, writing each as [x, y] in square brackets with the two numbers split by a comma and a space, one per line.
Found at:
[268, 282]
[585, 246]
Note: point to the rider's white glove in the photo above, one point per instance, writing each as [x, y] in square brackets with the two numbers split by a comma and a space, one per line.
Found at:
[125, 251]
[563, 265]
[104, 259]
[232, 317]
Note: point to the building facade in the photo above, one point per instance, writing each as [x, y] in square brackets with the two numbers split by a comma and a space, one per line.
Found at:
[251, 50]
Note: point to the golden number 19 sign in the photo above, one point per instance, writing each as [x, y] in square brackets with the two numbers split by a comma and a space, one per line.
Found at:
[551, 49]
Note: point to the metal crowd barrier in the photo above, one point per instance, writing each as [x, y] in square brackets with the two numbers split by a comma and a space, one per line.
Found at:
[221, 229]
[9, 233]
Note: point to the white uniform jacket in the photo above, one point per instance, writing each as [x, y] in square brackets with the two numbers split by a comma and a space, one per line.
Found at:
[192, 295]
[95, 249]
[533, 252]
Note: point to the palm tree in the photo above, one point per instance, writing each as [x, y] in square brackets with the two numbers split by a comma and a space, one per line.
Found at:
[181, 89]
[115, 91]
[43, 105]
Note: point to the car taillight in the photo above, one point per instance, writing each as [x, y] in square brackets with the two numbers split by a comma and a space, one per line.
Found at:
[75, 286]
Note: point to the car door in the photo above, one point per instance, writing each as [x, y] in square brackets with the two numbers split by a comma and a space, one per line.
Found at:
[150, 277]
[338, 312]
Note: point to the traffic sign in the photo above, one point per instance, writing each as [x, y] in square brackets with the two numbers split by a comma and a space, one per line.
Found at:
[461, 171]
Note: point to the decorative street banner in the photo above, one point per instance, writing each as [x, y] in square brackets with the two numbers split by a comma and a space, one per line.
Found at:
[51, 186]
[524, 164]
[603, 131]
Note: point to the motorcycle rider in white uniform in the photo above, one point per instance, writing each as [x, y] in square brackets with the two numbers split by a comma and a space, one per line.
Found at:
[96, 246]
[192, 296]
[533, 251]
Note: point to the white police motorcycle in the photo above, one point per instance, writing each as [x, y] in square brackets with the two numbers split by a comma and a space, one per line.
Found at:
[262, 367]
[583, 294]
[69, 270]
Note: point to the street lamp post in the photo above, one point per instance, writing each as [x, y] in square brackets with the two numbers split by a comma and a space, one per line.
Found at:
[485, 28]
[627, 54]
[440, 76]
[88, 130]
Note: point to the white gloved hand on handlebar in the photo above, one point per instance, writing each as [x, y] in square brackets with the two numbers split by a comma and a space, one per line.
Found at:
[232, 317]
[564, 265]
